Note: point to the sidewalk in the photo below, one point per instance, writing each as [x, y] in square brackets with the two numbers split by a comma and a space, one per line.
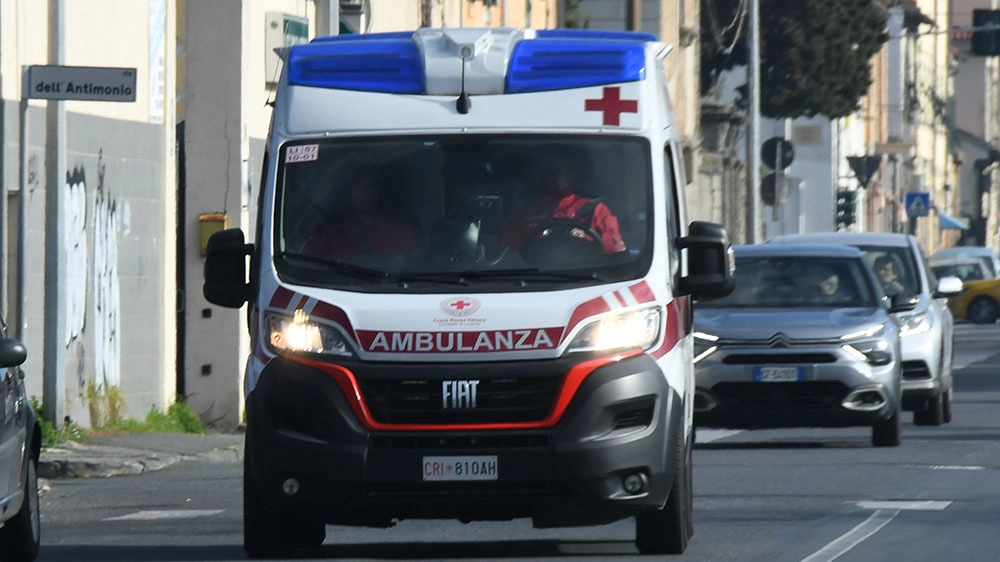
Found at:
[132, 453]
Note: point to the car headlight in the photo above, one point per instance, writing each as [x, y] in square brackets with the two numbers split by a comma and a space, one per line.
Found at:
[704, 345]
[628, 330]
[876, 352]
[915, 324]
[298, 333]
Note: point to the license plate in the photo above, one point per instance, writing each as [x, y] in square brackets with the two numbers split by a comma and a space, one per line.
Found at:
[777, 374]
[479, 467]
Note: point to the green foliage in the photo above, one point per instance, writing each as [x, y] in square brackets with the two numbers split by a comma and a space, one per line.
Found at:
[815, 54]
[177, 419]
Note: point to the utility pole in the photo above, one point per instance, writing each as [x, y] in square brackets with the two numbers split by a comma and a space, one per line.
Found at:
[754, 234]
[54, 348]
[633, 15]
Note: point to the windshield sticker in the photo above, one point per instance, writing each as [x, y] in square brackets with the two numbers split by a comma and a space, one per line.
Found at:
[534, 339]
[301, 153]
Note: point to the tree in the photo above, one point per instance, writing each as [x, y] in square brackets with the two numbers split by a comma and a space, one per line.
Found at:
[815, 54]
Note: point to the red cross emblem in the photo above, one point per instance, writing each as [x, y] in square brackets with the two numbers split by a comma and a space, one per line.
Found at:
[612, 105]
[460, 304]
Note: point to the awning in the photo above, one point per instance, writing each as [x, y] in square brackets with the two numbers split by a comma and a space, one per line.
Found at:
[948, 221]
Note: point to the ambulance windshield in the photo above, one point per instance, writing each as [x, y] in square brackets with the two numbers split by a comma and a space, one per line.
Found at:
[384, 214]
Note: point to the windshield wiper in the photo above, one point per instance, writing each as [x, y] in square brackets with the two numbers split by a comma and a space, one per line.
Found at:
[362, 272]
[339, 266]
[529, 273]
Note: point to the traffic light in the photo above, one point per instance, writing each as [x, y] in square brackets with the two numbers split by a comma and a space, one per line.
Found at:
[986, 33]
[847, 207]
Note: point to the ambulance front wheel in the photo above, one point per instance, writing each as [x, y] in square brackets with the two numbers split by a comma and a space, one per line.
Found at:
[668, 529]
[270, 533]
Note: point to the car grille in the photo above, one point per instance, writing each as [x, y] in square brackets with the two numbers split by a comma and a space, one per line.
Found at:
[754, 395]
[778, 358]
[498, 400]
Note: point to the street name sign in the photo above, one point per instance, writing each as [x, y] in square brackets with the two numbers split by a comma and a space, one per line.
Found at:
[85, 83]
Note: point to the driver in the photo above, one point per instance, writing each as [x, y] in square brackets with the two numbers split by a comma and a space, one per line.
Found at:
[555, 194]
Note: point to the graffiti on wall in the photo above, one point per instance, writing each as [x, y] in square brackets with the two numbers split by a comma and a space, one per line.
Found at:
[101, 269]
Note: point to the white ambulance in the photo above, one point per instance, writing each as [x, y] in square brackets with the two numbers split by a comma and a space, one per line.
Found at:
[470, 288]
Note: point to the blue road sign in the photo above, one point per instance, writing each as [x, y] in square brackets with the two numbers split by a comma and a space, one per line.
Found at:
[918, 204]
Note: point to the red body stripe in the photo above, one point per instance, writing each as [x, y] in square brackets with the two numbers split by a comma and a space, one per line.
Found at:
[642, 292]
[348, 384]
[281, 298]
[586, 310]
[677, 326]
[334, 314]
[621, 299]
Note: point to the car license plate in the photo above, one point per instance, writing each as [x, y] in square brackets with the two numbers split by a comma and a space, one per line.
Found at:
[479, 467]
[777, 374]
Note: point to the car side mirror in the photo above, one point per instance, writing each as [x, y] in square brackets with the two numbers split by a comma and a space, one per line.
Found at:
[226, 269]
[948, 287]
[12, 352]
[711, 265]
[902, 302]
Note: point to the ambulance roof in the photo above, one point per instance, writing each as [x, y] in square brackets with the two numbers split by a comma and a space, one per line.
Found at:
[476, 61]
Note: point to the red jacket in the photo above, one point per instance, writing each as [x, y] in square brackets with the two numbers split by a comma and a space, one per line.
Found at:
[602, 220]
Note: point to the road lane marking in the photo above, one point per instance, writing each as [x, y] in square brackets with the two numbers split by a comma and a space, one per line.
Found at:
[906, 505]
[854, 537]
[158, 515]
[957, 467]
[709, 435]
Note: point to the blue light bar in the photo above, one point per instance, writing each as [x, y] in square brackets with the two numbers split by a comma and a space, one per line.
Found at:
[555, 63]
[383, 62]
[594, 34]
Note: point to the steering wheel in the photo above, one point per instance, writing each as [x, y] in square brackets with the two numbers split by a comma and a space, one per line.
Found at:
[562, 233]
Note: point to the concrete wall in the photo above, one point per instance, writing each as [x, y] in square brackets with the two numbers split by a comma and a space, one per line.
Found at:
[119, 203]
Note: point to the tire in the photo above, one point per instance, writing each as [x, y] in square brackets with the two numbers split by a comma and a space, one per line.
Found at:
[270, 533]
[982, 310]
[887, 433]
[933, 412]
[21, 535]
[668, 529]
[946, 407]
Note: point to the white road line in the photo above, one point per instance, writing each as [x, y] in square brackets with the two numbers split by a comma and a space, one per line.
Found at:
[157, 515]
[854, 537]
[709, 435]
[906, 505]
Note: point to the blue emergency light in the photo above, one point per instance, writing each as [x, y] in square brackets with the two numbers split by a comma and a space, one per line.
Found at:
[555, 59]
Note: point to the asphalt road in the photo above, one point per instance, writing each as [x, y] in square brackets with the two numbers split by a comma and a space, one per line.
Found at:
[781, 495]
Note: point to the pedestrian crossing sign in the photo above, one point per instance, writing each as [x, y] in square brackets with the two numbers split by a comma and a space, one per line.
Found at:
[918, 204]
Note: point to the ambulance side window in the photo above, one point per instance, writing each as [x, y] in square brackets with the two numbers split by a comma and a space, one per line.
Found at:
[673, 222]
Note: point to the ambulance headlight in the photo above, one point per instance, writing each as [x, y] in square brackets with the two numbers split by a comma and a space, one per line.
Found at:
[298, 333]
[635, 329]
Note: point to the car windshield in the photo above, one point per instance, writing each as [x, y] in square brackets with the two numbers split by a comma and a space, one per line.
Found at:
[798, 281]
[384, 214]
[894, 268]
[964, 271]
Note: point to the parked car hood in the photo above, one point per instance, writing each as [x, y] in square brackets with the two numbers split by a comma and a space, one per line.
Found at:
[797, 323]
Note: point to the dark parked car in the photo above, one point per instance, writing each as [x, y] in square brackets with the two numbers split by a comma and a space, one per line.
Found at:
[20, 443]
[806, 339]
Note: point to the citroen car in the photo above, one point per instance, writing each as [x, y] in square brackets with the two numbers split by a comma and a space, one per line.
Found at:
[925, 332]
[806, 339]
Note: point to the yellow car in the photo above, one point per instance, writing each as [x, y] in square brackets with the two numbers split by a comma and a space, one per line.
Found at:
[978, 302]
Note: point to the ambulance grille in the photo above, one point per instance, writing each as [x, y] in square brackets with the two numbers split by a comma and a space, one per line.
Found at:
[497, 400]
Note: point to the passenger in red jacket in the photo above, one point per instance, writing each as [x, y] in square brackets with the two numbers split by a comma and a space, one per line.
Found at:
[556, 197]
[363, 226]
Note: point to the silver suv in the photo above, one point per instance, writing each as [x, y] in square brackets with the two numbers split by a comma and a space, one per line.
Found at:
[925, 331]
[805, 339]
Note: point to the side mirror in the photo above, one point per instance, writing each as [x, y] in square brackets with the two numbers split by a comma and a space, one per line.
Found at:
[226, 269]
[12, 352]
[711, 264]
[948, 287]
[901, 302]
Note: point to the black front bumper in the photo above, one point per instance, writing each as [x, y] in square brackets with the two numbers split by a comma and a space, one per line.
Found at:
[301, 426]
